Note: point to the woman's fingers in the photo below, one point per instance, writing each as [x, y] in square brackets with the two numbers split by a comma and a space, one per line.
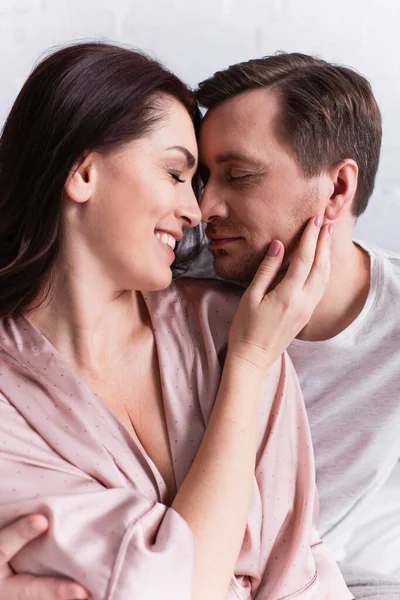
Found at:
[308, 273]
[309, 267]
[266, 322]
[18, 534]
[303, 260]
[318, 278]
[268, 270]
[27, 587]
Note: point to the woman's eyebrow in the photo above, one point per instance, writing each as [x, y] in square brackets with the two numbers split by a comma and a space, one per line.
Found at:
[190, 159]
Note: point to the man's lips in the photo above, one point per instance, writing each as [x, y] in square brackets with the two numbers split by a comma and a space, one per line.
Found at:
[218, 240]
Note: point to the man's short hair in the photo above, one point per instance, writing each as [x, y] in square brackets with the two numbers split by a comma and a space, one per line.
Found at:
[328, 112]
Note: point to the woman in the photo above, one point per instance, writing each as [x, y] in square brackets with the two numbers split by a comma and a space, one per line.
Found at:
[160, 477]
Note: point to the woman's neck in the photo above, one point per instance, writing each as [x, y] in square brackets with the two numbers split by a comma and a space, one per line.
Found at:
[91, 324]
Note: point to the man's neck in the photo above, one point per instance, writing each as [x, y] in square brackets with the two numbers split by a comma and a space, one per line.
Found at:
[345, 296]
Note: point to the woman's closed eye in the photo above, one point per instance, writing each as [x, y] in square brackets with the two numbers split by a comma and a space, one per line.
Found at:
[176, 177]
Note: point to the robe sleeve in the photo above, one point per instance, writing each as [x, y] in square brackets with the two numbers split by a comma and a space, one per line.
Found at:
[116, 542]
[282, 556]
[282, 552]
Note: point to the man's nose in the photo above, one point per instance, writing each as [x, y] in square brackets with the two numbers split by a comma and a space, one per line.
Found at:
[212, 206]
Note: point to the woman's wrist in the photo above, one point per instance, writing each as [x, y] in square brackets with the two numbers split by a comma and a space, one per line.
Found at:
[254, 361]
[243, 378]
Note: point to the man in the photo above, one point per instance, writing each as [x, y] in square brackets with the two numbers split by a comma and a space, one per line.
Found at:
[286, 137]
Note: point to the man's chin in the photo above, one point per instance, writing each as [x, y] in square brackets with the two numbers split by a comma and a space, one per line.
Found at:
[243, 273]
[240, 272]
[242, 269]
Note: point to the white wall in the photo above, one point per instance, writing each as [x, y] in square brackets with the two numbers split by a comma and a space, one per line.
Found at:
[196, 38]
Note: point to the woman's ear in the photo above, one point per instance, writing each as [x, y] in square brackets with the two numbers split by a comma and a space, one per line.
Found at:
[81, 180]
[344, 175]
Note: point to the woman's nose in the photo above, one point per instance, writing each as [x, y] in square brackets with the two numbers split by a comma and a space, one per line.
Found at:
[190, 210]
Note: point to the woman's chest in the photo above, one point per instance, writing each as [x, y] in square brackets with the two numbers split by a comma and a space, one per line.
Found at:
[136, 399]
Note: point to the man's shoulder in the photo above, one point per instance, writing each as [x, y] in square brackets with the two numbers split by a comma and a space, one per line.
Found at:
[386, 263]
[381, 253]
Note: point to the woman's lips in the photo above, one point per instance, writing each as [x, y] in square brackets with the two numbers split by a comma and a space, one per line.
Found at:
[167, 249]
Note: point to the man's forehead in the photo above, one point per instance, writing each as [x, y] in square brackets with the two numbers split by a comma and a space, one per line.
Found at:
[239, 128]
[252, 108]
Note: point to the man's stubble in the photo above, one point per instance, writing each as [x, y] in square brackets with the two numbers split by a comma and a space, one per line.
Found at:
[243, 270]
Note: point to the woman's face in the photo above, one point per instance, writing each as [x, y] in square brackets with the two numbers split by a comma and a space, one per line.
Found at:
[127, 209]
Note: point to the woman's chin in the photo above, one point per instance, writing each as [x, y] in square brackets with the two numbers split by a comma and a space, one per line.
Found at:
[159, 281]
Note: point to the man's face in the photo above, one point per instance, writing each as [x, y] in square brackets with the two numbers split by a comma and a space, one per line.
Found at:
[255, 191]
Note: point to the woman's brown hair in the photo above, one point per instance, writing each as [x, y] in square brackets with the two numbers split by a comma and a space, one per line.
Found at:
[87, 96]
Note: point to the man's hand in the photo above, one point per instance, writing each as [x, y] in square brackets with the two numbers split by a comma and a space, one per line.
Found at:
[27, 587]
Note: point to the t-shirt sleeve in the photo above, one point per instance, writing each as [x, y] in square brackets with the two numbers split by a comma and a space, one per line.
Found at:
[116, 542]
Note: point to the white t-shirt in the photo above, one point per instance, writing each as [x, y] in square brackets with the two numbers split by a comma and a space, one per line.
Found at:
[351, 385]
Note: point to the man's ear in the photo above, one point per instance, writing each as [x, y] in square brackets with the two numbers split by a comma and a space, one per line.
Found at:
[344, 175]
[81, 180]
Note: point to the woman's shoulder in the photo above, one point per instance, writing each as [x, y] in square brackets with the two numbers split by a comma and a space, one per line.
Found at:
[201, 292]
[210, 306]
[196, 304]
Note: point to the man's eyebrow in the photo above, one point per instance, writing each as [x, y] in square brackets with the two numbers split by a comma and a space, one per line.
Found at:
[232, 156]
[190, 159]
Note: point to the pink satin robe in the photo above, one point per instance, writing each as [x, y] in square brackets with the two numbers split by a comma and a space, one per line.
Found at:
[63, 453]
